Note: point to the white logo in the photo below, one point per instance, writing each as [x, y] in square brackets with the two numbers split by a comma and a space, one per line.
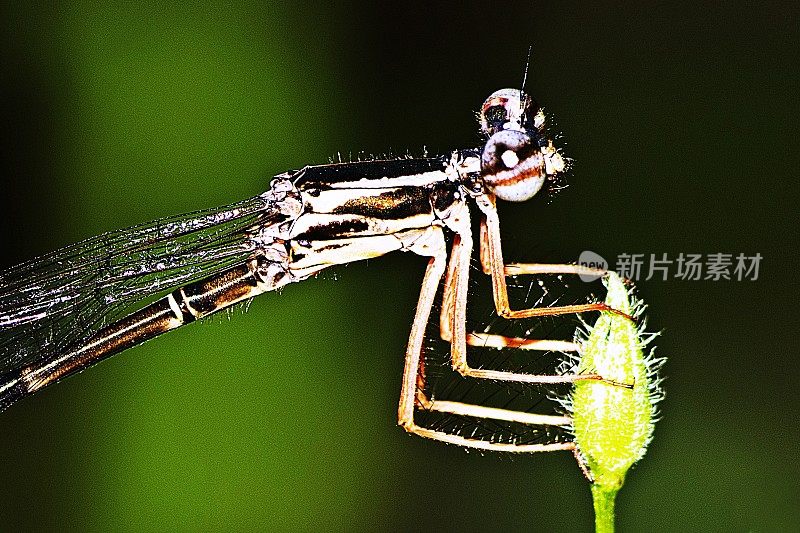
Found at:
[592, 260]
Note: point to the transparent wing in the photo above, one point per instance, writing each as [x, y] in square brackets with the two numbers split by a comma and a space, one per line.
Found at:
[56, 300]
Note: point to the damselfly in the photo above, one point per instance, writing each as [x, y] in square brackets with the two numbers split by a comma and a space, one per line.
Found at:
[57, 311]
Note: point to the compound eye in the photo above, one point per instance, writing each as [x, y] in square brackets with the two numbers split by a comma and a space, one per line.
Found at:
[512, 166]
[493, 119]
[506, 109]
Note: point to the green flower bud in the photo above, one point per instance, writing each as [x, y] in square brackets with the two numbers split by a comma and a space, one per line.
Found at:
[613, 417]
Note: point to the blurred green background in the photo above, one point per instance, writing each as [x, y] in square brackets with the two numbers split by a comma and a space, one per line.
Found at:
[679, 117]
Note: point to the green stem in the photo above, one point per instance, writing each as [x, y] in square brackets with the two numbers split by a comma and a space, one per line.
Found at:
[604, 497]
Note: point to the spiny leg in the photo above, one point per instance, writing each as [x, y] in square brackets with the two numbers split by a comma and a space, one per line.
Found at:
[448, 292]
[491, 249]
[483, 251]
[490, 340]
[488, 413]
[493, 413]
[430, 286]
[453, 322]
[412, 394]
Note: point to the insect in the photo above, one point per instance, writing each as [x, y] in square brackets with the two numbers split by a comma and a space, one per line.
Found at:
[54, 309]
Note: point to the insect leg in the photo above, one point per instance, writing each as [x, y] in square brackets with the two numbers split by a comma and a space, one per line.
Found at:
[491, 250]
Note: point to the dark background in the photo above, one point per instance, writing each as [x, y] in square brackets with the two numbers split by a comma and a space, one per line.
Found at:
[679, 117]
